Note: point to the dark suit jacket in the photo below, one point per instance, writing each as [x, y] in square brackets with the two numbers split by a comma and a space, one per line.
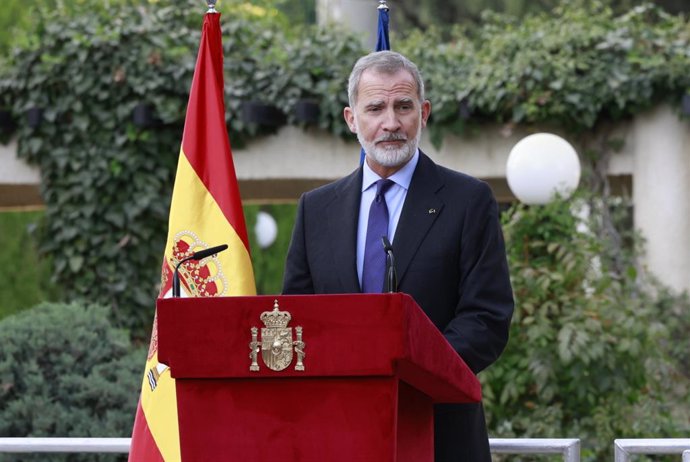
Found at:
[450, 257]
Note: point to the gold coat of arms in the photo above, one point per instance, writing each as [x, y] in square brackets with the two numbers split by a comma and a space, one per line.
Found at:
[277, 345]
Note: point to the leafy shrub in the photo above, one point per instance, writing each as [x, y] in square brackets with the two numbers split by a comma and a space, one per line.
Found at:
[66, 371]
[579, 66]
[591, 353]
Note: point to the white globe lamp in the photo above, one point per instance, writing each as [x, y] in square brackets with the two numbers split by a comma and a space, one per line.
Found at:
[265, 229]
[540, 166]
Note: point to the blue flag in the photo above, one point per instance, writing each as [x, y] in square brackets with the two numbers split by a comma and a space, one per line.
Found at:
[382, 43]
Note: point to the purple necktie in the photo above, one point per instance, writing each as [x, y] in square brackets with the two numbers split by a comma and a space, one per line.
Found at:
[374, 254]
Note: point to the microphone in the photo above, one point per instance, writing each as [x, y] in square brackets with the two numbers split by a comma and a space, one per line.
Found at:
[196, 256]
[391, 277]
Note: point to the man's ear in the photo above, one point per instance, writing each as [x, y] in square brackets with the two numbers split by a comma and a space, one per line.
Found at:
[426, 112]
[349, 116]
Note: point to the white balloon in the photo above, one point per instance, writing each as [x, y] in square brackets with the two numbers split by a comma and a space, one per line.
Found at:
[540, 166]
[266, 229]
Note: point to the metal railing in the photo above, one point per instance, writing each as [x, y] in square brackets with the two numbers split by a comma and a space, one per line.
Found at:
[570, 448]
[70, 445]
[624, 448]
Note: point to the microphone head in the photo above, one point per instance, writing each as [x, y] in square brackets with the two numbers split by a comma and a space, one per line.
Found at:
[201, 254]
[386, 244]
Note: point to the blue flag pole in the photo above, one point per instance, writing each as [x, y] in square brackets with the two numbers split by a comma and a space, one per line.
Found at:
[382, 43]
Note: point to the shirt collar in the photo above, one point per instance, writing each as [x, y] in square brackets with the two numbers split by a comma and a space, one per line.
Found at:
[402, 177]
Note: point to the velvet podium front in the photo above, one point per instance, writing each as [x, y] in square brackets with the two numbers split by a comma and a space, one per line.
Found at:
[373, 367]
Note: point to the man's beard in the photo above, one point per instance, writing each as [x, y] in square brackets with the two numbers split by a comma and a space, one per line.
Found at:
[391, 157]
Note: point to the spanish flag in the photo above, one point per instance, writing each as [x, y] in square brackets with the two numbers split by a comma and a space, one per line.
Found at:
[205, 211]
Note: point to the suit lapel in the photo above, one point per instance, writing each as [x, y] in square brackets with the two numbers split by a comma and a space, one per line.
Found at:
[422, 207]
[420, 211]
[343, 230]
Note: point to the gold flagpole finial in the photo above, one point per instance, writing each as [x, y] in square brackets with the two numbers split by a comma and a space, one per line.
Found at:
[211, 6]
[382, 5]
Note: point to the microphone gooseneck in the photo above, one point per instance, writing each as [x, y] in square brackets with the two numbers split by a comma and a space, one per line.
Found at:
[196, 256]
[391, 276]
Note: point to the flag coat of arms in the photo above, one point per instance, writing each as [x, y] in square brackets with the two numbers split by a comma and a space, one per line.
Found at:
[205, 211]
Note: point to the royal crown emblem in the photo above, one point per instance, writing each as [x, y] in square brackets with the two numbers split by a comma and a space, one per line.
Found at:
[203, 278]
[276, 345]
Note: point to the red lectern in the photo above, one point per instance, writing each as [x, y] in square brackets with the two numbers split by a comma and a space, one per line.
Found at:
[373, 365]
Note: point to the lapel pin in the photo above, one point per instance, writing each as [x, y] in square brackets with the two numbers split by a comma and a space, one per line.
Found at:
[432, 211]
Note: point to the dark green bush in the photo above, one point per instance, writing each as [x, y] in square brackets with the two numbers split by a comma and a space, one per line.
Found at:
[593, 353]
[580, 66]
[66, 371]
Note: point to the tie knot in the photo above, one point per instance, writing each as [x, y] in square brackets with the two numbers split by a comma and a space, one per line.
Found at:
[382, 186]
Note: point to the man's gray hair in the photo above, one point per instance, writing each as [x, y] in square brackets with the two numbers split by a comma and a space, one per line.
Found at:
[386, 62]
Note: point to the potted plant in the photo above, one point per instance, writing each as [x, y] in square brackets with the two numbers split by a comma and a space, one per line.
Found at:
[307, 111]
[34, 116]
[7, 122]
[144, 116]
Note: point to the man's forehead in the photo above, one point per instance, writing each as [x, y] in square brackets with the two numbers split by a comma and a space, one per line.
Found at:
[399, 84]
[373, 71]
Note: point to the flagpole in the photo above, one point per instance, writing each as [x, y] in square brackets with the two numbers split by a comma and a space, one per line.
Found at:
[211, 6]
[382, 5]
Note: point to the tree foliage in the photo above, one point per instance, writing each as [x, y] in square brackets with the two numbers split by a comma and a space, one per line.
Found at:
[591, 351]
[18, 18]
[426, 14]
[584, 66]
[65, 370]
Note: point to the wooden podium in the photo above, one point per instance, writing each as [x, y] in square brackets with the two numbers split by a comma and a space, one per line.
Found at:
[373, 367]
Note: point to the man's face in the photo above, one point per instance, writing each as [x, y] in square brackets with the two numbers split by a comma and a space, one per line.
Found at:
[388, 118]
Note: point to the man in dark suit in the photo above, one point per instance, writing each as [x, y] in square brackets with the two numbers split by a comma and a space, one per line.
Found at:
[444, 229]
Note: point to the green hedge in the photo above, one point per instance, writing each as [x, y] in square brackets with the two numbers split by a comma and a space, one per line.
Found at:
[593, 351]
[65, 370]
